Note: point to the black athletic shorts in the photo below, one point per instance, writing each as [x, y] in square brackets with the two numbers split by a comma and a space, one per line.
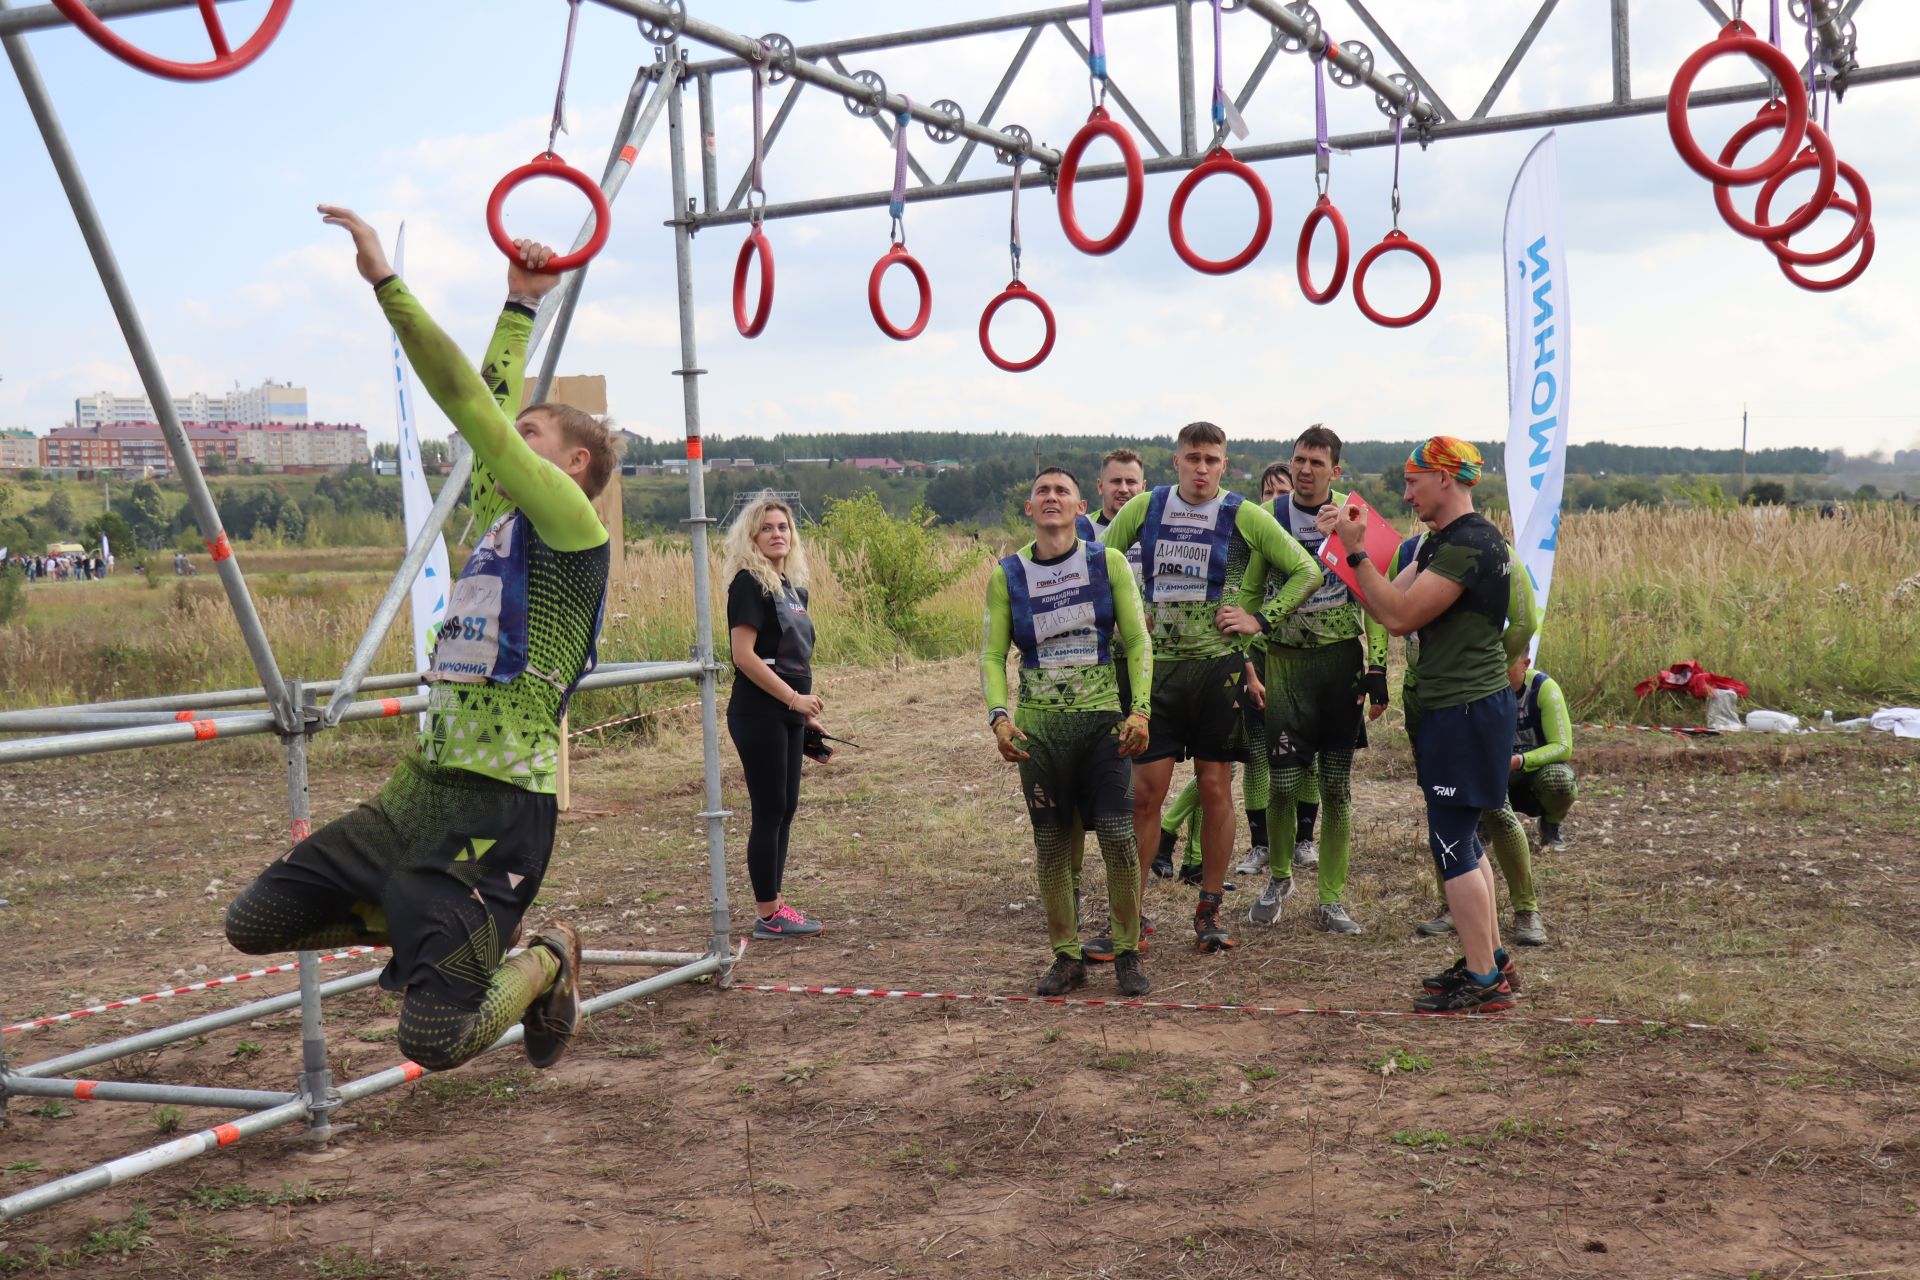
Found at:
[1074, 770]
[1462, 753]
[1196, 709]
[443, 862]
[1311, 703]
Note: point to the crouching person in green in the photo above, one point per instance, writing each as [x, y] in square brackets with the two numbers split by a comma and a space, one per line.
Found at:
[1072, 610]
[1542, 785]
[442, 865]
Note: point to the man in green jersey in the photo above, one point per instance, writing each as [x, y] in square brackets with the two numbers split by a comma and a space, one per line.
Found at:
[1185, 533]
[443, 864]
[1502, 828]
[1461, 720]
[1064, 602]
[1325, 658]
[1542, 785]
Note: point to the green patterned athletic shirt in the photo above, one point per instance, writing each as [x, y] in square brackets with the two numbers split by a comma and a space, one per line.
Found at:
[1089, 687]
[509, 731]
[1330, 615]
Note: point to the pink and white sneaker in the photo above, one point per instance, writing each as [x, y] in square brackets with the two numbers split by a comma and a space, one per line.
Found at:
[785, 922]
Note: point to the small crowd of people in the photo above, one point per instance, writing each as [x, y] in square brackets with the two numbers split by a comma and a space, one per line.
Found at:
[66, 567]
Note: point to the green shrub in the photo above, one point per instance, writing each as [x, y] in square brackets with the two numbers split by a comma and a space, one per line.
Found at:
[894, 564]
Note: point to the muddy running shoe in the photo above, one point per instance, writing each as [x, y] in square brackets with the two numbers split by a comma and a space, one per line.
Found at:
[1191, 875]
[1468, 997]
[1255, 863]
[1306, 853]
[1132, 979]
[1066, 975]
[1438, 927]
[1100, 950]
[1208, 933]
[785, 922]
[1163, 856]
[1527, 930]
[1550, 837]
[1331, 917]
[1457, 975]
[1272, 900]
[549, 1021]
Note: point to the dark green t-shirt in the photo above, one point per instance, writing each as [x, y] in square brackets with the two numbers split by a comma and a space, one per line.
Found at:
[1461, 659]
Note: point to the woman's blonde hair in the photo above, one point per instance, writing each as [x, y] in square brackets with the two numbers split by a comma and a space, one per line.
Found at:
[742, 552]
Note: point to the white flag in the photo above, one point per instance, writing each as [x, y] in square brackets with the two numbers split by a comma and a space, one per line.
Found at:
[430, 588]
[106, 552]
[1539, 365]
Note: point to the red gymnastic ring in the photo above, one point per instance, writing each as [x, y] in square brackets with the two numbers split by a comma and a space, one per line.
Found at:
[1396, 241]
[1323, 210]
[1217, 162]
[1020, 292]
[1861, 206]
[549, 165]
[225, 62]
[1772, 116]
[898, 256]
[1100, 125]
[1852, 273]
[1735, 38]
[754, 246]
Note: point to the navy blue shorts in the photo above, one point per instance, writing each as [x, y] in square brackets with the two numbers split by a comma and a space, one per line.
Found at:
[1462, 753]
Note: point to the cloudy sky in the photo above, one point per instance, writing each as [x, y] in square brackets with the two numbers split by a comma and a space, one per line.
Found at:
[412, 111]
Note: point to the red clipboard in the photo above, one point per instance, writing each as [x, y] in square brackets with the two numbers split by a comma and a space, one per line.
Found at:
[1382, 541]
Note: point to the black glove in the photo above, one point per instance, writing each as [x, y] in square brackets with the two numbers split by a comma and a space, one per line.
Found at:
[1374, 683]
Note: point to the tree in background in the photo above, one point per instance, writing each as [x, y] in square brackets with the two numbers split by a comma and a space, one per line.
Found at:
[144, 508]
[1765, 493]
[895, 564]
[58, 514]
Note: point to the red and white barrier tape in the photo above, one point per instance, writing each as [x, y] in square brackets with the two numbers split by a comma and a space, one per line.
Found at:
[882, 993]
[1655, 728]
[151, 997]
[644, 715]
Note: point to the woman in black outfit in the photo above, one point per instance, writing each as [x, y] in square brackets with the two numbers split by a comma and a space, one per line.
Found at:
[773, 703]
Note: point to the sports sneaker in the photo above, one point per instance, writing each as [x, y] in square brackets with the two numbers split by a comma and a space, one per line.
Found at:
[1208, 933]
[1331, 917]
[1255, 863]
[1439, 926]
[1550, 837]
[1468, 997]
[1191, 875]
[1163, 864]
[1267, 907]
[1527, 930]
[1100, 950]
[1131, 978]
[549, 1021]
[785, 922]
[1456, 975]
[1066, 975]
[1306, 853]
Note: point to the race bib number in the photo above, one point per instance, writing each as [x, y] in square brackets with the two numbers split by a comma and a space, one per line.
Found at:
[1180, 570]
[1066, 637]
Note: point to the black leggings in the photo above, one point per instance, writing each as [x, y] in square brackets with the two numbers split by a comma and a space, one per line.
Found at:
[770, 757]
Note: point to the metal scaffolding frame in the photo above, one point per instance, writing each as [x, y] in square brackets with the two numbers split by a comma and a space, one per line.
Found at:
[292, 712]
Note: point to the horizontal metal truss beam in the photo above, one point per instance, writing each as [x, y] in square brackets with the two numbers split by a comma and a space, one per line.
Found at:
[1517, 122]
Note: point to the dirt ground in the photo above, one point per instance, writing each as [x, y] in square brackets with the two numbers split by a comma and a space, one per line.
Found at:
[1767, 887]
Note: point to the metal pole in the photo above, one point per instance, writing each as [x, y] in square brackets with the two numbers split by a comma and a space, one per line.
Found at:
[316, 1081]
[1622, 53]
[1288, 21]
[73, 721]
[801, 69]
[389, 607]
[41, 17]
[186, 1148]
[1183, 45]
[697, 521]
[121, 298]
[558, 307]
[709, 177]
[121, 1091]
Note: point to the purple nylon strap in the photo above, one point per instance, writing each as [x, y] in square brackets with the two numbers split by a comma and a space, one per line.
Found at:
[760, 70]
[1097, 41]
[1219, 75]
[1013, 227]
[897, 206]
[1322, 152]
[566, 66]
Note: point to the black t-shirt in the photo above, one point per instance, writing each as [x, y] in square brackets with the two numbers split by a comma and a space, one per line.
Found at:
[783, 637]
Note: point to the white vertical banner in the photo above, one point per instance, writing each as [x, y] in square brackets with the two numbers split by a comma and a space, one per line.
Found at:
[1539, 365]
[429, 597]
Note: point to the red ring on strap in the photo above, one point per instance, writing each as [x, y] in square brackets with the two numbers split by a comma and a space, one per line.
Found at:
[898, 256]
[1861, 206]
[1820, 146]
[1100, 125]
[549, 165]
[1219, 161]
[1020, 292]
[1397, 241]
[1847, 277]
[1324, 210]
[1735, 38]
[755, 246]
[225, 61]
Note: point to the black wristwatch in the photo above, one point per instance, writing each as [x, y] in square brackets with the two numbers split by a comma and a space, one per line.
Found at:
[1355, 557]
